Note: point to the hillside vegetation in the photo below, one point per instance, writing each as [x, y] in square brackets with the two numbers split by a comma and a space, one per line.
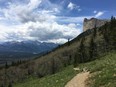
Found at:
[102, 70]
[86, 47]
[56, 80]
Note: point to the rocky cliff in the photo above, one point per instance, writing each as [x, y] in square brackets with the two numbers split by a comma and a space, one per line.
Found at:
[91, 23]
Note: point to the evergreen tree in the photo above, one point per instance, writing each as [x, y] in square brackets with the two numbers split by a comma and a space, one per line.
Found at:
[13, 63]
[69, 60]
[6, 65]
[68, 42]
[82, 52]
[75, 61]
[10, 85]
[95, 31]
[112, 33]
[106, 37]
[53, 66]
[2, 85]
[92, 49]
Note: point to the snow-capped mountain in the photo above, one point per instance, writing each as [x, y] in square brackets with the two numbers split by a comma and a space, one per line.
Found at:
[24, 49]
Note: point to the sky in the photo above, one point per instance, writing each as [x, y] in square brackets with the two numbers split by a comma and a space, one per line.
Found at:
[49, 20]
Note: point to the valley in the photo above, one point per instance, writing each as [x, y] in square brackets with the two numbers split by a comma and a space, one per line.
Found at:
[93, 50]
[57, 43]
[21, 51]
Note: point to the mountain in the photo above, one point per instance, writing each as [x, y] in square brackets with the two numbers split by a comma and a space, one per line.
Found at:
[14, 50]
[26, 46]
[89, 46]
[93, 22]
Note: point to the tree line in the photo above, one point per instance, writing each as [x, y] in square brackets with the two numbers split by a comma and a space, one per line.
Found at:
[92, 44]
[85, 54]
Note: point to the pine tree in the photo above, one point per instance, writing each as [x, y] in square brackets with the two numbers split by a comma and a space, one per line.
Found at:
[6, 65]
[2, 85]
[82, 51]
[10, 85]
[75, 63]
[106, 37]
[112, 33]
[69, 60]
[92, 49]
[95, 31]
[53, 66]
[68, 42]
[76, 59]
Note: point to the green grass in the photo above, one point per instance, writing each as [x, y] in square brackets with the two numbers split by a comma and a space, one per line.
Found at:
[56, 80]
[103, 74]
[103, 71]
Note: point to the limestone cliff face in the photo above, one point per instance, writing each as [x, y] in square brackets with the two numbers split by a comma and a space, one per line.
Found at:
[91, 23]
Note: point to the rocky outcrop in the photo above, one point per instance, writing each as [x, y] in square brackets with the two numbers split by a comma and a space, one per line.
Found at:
[91, 23]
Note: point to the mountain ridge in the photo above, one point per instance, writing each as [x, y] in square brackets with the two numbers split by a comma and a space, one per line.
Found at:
[93, 22]
[24, 50]
[88, 46]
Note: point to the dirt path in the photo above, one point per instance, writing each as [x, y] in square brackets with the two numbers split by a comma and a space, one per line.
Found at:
[79, 80]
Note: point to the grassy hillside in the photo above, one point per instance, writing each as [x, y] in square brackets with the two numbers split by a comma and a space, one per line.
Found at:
[103, 73]
[86, 47]
[56, 80]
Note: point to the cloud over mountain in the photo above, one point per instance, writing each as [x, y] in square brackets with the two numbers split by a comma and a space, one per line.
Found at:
[43, 20]
[36, 21]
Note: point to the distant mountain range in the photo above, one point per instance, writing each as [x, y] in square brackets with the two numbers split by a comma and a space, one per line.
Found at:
[14, 50]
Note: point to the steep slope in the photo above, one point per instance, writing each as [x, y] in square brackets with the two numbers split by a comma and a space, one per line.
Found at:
[86, 47]
[56, 80]
[102, 72]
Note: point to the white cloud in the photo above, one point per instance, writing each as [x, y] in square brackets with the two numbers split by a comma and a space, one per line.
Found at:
[34, 23]
[61, 40]
[72, 19]
[50, 31]
[44, 32]
[22, 12]
[98, 14]
[4, 30]
[71, 6]
[79, 9]
[31, 11]
[33, 4]
[95, 12]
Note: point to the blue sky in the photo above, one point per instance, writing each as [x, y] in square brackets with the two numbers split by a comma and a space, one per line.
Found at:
[49, 20]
